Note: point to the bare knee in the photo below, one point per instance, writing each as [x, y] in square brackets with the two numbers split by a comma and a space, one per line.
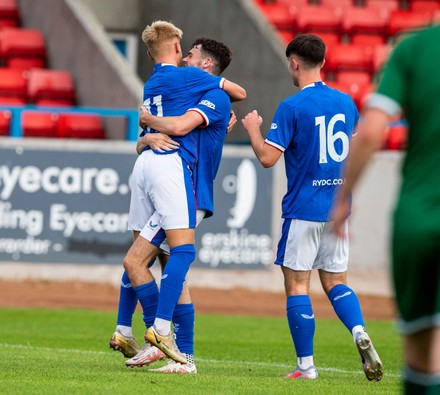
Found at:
[330, 280]
[296, 282]
[128, 263]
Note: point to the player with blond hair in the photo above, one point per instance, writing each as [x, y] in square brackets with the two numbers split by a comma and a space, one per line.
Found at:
[162, 182]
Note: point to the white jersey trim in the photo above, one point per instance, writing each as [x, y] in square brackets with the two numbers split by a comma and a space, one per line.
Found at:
[275, 145]
[204, 116]
[222, 83]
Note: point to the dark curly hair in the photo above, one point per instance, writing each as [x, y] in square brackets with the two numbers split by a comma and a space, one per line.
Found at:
[219, 52]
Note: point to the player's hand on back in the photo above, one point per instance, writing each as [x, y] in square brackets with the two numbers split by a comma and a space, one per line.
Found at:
[161, 142]
[232, 121]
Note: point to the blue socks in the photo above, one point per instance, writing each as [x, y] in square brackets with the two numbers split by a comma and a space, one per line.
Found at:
[148, 295]
[301, 323]
[127, 302]
[173, 278]
[183, 320]
[346, 306]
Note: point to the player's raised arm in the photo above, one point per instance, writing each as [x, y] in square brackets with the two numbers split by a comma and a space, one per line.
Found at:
[235, 91]
[265, 153]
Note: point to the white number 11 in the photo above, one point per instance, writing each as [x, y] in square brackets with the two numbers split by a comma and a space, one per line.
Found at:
[156, 102]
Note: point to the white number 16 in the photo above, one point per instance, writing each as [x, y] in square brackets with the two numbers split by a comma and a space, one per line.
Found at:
[327, 139]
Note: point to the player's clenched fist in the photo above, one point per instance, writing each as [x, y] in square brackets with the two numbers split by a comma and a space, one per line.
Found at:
[252, 121]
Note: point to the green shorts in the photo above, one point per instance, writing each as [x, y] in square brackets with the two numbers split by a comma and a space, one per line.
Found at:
[416, 276]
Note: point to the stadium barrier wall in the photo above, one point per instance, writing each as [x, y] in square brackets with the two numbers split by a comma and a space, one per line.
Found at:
[64, 204]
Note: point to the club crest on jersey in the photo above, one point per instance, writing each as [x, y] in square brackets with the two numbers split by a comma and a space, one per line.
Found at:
[208, 103]
[274, 126]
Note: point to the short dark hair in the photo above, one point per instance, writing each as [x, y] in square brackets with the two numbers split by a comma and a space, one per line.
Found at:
[309, 47]
[219, 52]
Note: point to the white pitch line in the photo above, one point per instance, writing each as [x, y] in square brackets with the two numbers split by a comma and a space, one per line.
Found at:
[225, 362]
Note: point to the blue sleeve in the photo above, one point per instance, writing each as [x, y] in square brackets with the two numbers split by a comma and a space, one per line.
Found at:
[283, 126]
[214, 107]
[199, 81]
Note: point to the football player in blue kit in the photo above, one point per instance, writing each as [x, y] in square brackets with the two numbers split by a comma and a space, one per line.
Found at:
[312, 129]
[162, 182]
[212, 113]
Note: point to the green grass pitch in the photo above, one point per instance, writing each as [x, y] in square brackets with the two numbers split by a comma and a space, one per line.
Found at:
[67, 352]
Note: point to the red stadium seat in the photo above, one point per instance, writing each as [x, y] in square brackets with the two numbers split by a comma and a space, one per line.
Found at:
[353, 83]
[290, 2]
[329, 39]
[389, 5]
[286, 36]
[406, 20]
[372, 20]
[81, 126]
[367, 40]
[12, 101]
[22, 48]
[336, 3]
[39, 124]
[349, 57]
[425, 5]
[436, 17]
[353, 77]
[9, 14]
[5, 122]
[12, 86]
[318, 18]
[51, 87]
[281, 16]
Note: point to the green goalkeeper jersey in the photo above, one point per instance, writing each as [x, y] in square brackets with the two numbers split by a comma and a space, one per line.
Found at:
[415, 91]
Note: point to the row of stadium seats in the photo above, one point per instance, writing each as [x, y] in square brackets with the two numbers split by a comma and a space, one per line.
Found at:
[348, 20]
[9, 13]
[54, 125]
[359, 36]
[355, 57]
[26, 80]
[41, 87]
[390, 5]
[22, 48]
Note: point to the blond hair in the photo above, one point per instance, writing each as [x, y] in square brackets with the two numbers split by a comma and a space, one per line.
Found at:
[159, 33]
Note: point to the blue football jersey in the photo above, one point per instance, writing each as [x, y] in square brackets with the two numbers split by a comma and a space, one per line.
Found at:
[170, 91]
[215, 108]
[313, 128]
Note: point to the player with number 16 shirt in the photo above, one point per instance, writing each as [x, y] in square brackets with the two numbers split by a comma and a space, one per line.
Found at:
[312, 129]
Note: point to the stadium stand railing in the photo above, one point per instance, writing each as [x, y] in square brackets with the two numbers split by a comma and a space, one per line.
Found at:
[79, 126]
